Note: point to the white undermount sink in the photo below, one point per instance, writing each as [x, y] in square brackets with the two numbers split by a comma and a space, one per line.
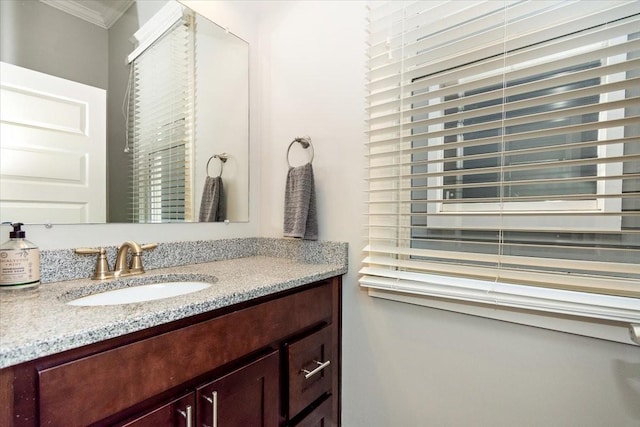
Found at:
[140, 293]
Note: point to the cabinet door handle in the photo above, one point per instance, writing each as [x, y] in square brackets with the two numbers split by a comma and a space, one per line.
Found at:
[214, 407]
[321, 366]
[188, 414]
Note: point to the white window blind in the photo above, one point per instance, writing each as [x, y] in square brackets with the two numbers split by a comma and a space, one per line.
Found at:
[504, 148]
[161, 127]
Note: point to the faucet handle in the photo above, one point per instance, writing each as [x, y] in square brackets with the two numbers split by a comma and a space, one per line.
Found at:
[148, 246]
[102, 270]
[136, 258]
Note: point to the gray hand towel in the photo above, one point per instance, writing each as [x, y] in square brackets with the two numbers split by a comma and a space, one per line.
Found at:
[300, 217]
[212, 205]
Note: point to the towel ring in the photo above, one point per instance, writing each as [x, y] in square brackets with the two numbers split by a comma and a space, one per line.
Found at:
[306, 143]
[223, 159]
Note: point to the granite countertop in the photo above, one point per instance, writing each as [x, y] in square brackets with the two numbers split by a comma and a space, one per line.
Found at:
[38, 322]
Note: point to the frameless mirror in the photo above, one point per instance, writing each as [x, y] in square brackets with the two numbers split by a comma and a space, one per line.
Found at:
[136, 111]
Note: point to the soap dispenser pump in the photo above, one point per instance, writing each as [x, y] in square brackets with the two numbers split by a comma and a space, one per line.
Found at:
[19, 261]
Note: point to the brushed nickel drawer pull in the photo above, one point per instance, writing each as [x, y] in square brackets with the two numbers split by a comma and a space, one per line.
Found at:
[188, 414]
[321, 366]
[214, 407]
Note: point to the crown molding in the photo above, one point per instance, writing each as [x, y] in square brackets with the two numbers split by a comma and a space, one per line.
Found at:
[101, 13]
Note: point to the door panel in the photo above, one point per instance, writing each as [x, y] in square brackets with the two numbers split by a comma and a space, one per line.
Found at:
[53, 148]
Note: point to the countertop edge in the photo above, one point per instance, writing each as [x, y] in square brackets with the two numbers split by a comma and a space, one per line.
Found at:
[35, 349]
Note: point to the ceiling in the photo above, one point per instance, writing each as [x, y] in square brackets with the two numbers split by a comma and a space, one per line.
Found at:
[103, 13]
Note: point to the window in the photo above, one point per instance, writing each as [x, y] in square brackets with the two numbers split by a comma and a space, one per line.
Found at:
[160, 119]
[504, 153]
[524, 180]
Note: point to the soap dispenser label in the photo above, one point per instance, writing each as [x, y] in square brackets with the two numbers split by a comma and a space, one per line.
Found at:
[19, 267]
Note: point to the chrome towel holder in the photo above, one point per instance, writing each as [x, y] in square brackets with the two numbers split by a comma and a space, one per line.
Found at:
[223, 159]
[305, 141]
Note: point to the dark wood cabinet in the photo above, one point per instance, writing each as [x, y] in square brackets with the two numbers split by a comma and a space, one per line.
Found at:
[320, 415]
[245, 397]
[274, 361]
[178, 412]
[309, 369]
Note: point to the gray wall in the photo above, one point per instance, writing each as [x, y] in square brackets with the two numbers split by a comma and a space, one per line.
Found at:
[42, 38]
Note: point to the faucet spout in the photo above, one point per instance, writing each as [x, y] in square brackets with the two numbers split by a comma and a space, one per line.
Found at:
[122, 268]
[135, 266]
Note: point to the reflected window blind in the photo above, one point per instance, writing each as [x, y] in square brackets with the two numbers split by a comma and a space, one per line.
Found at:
[504, 144]
[161, 128]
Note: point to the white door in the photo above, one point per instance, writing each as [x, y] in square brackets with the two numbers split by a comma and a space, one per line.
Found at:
[52, 149]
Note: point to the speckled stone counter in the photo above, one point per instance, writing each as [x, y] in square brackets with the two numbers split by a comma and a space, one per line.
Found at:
[39, 322]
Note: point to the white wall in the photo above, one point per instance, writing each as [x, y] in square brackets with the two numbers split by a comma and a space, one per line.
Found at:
[222, 118]
[405, 365]
[312, 58]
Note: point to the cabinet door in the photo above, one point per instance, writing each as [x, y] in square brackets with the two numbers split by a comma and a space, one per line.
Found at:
[248, 396]
[177, 413]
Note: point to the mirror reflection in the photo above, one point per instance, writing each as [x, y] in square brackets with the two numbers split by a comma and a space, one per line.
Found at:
[140, 115]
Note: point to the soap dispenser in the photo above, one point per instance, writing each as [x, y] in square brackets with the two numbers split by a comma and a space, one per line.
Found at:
[19, 261]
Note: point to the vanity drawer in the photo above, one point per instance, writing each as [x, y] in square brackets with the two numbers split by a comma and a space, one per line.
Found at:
[309, 369]
[86, 390]
[320, 415]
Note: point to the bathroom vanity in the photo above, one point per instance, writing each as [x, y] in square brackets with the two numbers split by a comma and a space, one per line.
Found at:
[260, 347]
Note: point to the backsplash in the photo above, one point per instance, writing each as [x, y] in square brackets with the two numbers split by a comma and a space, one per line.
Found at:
[64, 264]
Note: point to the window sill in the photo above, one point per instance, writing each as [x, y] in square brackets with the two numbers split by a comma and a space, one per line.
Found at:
[592, 315]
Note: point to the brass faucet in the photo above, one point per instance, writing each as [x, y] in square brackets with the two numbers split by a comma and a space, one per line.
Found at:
[122, 268]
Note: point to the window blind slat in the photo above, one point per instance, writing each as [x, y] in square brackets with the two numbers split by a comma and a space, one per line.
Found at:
[518, 105]
[515, 91]
[389, 156]
[502, 168]
[595, 266]
[161, 130]
[587, 42]
[612, 123]
[435, 51]
[403, 187]
[504, 144]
